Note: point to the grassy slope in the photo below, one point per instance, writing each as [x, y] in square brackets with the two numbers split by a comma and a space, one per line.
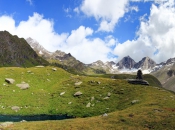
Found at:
[167, 82]
[155, 108]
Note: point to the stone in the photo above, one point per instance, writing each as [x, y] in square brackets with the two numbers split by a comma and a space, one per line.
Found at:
[134, 101]
[40, 66]
[138, 81]
[99, 82]
[88, 105]
[54, 69]
[70, 103]
[62, 93]
[105, 115]
[93, 105]
[109, 94]
[78, 83]
[9, 80]
[106, 98]
[28, 71]
[6, 124]
[15, 108]
[23, 86]
[78, 93]
[92, 98]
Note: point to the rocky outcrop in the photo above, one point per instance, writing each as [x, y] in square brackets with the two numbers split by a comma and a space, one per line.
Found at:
[138, 81]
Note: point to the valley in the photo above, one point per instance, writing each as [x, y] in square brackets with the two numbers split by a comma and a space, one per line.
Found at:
[94, 96]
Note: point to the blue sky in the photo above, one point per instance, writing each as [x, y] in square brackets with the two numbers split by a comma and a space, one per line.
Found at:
[94, 30]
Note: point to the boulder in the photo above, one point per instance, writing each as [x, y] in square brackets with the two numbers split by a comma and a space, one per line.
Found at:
[78, 93]
[54, 69]
[6, 124]
[92, 98]
[109, 94]
[62, 93]
[88, 105]
[106, 98]
[16, 108]
[78, 83]
[40, 66]
[138, 81]
[134, 101]
[9, 80]
[23, 86]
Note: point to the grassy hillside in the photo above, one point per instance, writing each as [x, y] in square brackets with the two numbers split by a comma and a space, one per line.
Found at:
[153, 81]
[127, 106]
[165, 77]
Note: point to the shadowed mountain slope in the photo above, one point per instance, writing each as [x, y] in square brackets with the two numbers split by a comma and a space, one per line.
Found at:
[15, 51]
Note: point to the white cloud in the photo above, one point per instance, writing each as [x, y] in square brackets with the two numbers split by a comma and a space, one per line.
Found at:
[76, 10]
[30, 2]
[107, 12]
[77, 42]
[155, 35]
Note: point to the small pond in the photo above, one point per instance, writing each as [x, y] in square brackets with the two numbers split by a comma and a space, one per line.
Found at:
[17, 118]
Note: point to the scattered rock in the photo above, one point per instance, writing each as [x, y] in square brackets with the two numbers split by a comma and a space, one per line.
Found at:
[54, 69]
[78, 93]
[88, 105]
[70, 103]
[138, 81]
[106, 98]
[134, 101]
[23, 121]
[9, 80]
[109, 94]
[62, 93]
[93, 105]
[98, 82]
[6, 124]
[23, 86]
[78, 83]
[29, 71]
[92, 98]
[15, 108]
[40, 66]
[105, 115]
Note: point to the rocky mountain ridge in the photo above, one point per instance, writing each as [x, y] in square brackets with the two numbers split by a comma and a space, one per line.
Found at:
[15, 51]
[125, 65]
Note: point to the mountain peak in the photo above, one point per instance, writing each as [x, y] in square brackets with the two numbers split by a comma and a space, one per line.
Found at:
[126, 62]
[145, 63]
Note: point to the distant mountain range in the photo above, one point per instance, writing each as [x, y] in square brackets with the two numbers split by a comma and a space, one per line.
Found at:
[125, 65]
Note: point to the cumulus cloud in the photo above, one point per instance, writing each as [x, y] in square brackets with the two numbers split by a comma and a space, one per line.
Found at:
[77, 42]
[155, 35]
[107, 13]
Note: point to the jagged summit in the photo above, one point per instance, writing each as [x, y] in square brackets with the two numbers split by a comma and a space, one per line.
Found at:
[126, 62]
[145, 63]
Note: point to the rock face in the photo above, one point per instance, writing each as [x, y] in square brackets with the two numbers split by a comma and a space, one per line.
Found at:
[15, 51]
[126, 62]
[145, 63]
